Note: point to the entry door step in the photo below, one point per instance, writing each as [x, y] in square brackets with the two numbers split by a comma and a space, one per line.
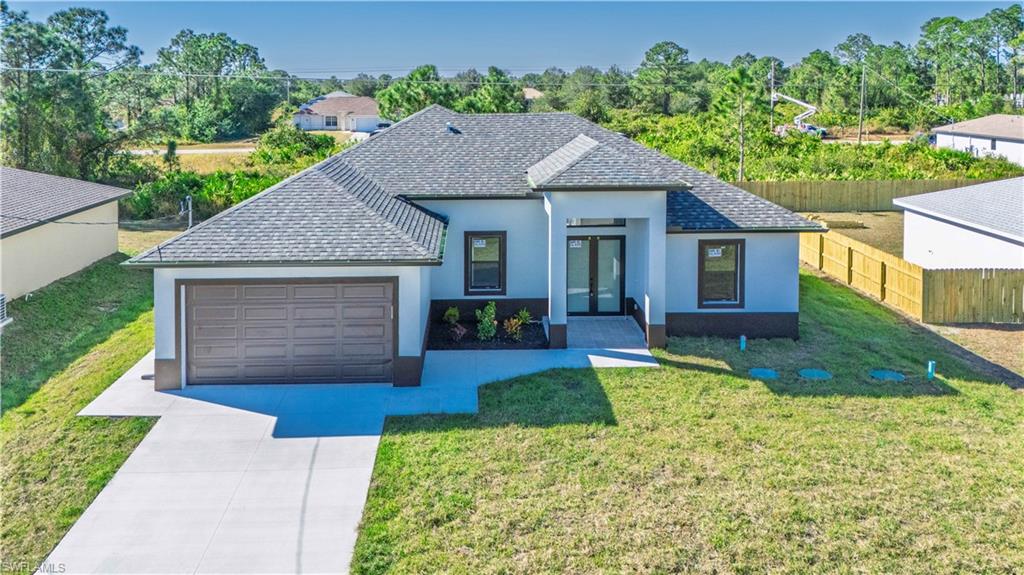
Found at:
[605, 332]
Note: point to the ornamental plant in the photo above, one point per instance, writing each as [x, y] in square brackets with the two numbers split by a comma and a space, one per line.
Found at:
[487, 325]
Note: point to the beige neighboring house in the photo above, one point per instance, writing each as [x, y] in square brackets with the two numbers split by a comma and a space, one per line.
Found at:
[994, 135]
[339, 111]
[51, 227]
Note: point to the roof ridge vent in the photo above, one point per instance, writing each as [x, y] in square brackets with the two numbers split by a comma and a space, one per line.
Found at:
[451, 129]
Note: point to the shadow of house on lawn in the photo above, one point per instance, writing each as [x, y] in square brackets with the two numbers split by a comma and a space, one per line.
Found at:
[565, 396]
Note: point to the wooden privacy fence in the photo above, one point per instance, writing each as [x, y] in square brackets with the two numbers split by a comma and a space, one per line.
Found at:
[846, 196]
[933, 296]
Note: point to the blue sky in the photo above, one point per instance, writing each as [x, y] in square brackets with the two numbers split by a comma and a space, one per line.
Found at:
[319, 39]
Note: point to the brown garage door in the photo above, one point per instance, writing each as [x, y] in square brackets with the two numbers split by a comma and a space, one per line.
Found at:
[290, 332]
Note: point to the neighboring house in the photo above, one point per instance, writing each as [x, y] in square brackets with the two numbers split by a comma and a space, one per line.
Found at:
[980, 226]
[995, 135]
[530, 94]
[51, 227]
[334, 273]
[339, 111]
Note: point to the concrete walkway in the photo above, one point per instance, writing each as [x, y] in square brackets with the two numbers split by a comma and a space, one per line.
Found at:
[266, 478]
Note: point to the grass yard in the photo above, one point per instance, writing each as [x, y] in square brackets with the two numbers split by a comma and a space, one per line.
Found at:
[340, 135]
[696, 467]
[207, 163]
[1000, 343]
[66, 345]
[136, 241]
[882, 230]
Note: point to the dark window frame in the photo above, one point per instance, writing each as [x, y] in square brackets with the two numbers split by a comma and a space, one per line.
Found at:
[741, 280]
[327, 122]
[467, 258]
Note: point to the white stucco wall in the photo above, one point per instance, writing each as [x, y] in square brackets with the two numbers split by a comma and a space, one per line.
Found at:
[413, 303]
[648, 207]
[526, 226]
[771, 272]
[34, 258]
[1011, 150]
[936, 244]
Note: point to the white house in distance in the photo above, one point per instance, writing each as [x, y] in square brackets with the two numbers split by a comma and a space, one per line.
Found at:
[338, 111]
[980, 226]
[51, 227]
[995, 135]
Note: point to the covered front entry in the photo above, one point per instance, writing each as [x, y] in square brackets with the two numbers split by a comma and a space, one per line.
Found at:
[301, 331]
[596, 275]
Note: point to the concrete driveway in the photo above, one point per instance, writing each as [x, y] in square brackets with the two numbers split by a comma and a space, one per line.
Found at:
[266, 478]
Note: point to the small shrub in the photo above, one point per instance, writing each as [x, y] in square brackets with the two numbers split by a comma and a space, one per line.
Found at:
[514, 328]
[524, 316]
[487, 325]
[451, 315]
[456, 331]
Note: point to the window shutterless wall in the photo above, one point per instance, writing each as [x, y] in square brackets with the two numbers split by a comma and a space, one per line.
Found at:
[771, 272]
[525, 224]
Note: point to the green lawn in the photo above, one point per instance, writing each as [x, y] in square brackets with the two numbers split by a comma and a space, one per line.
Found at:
[67, 343]
[695, 467]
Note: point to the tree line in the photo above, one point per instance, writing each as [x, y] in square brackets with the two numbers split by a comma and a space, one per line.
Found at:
[75, 92]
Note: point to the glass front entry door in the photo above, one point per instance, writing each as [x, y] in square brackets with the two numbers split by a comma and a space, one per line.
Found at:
[596, 275]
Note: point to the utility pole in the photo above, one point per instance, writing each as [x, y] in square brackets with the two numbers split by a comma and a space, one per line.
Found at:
[771, 99]
[288, 91]
[860, 116]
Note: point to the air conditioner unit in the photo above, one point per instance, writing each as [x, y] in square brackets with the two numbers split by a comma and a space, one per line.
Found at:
[4, 320]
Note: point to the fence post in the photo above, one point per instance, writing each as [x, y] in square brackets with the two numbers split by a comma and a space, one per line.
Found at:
[821, 251]
[849, 265]
[881, 282]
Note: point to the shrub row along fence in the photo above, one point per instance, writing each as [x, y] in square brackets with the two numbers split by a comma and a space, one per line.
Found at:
[846, 196]
[932, 296]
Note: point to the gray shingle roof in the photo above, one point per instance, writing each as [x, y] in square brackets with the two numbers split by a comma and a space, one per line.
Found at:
[1000, 126]
[327, 214]
[995, 207]
[358, 206]
[29, 199]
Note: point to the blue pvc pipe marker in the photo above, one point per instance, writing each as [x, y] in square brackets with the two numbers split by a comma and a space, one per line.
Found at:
[931, 370]
[743, 343]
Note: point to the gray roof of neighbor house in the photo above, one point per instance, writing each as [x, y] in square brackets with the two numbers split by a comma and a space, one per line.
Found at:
[30, 199]
[359, 206]
[332, 105]
[999, 126]
[993, 207]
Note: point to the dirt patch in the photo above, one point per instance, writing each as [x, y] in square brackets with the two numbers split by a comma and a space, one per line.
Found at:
[1001, 344]
[882, 230]
[440, 337]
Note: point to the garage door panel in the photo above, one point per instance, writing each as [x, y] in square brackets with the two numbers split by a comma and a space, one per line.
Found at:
[315, 292]
[265, 292]
[364, 331]
[376, 311]
[290, 333]
[265, 332]
[319, 312]
[255, 313]
[375, 291]
[265, 350]
[215, 312]
[315, 332]
[214, 292]
[207, 332]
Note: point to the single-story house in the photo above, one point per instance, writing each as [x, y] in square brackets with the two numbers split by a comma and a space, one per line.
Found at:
[980, 226]
[52, 227]
[995, 135]
[339, 111]
[335, 273]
